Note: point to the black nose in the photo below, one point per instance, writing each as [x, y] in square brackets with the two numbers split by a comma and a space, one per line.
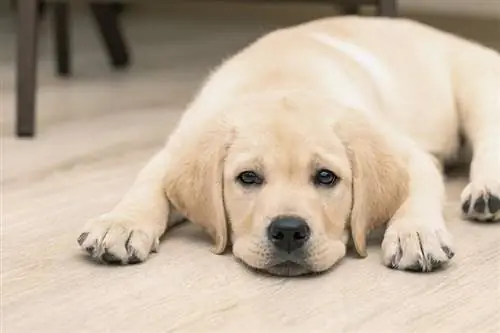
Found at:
[288, 233]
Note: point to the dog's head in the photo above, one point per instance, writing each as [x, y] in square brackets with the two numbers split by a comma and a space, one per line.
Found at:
[287, 183]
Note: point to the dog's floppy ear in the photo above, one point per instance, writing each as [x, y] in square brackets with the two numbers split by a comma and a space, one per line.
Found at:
[194, 181]
[380, 178]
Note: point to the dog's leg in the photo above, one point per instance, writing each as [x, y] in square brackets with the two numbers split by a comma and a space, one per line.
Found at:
[131, 231]
[478, 90]
[416, 237]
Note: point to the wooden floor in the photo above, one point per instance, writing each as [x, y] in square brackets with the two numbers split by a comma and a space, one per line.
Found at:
[98, 128]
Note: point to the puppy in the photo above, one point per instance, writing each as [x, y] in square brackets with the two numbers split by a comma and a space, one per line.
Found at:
[316, 134]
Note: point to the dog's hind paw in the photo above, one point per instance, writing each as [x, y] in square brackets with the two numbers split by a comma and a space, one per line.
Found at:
[481, 202]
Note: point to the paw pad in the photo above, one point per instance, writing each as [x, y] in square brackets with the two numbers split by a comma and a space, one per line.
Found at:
[110, 258]
[484, 206]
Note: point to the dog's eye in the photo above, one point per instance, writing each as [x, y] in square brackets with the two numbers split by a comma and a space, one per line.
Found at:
[324, 177]
[249, 178]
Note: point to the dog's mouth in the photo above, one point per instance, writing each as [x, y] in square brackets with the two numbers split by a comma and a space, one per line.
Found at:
[281, 263]
[289, 264]
[288, 268]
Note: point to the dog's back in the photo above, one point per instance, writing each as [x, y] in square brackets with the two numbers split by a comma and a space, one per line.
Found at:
[398, 68]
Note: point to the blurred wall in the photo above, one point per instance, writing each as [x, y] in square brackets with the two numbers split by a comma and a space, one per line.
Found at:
[485, 8]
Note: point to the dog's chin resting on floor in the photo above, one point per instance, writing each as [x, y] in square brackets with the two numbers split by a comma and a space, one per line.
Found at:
[314, 135]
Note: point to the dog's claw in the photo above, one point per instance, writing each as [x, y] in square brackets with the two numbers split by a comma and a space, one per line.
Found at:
[82, 238]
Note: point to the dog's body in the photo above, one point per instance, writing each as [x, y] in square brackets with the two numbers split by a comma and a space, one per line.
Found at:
[311, 131]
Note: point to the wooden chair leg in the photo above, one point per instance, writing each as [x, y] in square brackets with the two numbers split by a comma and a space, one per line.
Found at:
[349, 7]
[62, 37]
[26, 76]
[41, 6]
[106, 18]
[388, 8]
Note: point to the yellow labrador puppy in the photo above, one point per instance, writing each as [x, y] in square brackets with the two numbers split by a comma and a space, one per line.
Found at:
[318, 133]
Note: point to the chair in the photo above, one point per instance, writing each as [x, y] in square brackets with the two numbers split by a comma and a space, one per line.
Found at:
[106, 16]
[386, 8]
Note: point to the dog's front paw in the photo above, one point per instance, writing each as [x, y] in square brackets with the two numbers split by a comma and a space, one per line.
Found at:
[117, 239]
[481, 202]
[414, 246]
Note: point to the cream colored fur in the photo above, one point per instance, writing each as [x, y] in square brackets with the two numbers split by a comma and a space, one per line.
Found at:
[380, 102]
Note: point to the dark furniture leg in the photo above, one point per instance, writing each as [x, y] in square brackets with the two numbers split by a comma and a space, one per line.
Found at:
[41, 6]
[388, 8]
[62, 38]
[349, 7]
[106, 17]
[26, 76]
